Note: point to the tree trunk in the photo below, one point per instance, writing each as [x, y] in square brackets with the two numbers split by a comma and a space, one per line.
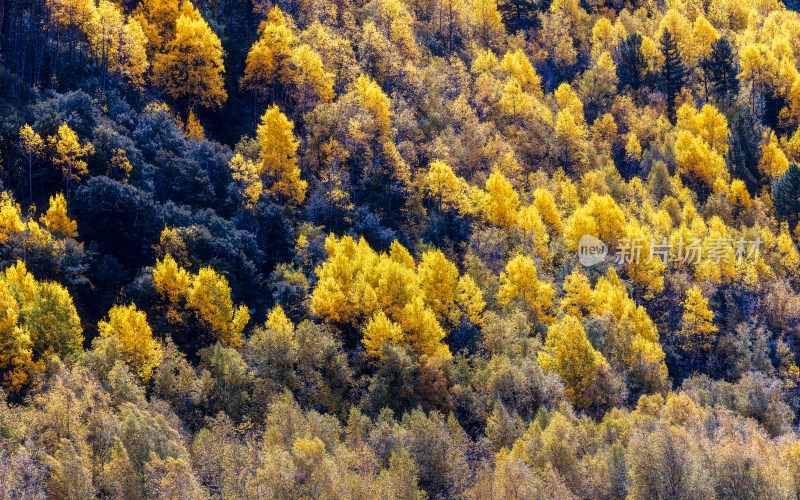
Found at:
[4, 28]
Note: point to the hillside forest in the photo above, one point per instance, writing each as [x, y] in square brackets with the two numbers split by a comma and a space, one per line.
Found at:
[399, 249]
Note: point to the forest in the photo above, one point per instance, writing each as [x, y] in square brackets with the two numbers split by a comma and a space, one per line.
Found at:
[399, 249]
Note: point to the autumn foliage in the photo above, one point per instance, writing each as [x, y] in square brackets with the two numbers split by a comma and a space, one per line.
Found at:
[484, 249]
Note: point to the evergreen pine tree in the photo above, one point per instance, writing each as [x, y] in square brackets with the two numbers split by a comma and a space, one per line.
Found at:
[518, 14]
[631, 64]
[774, 102]
[720, 70]
[673, 73]
[744, 151]
[786, 192]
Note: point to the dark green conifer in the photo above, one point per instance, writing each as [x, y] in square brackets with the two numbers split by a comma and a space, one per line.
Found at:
[631, 64]
[720, 70]
[673, 74]
[744, 151]
[786, 192]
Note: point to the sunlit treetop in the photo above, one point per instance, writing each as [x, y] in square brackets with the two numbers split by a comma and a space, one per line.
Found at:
[129, 325]
[568, 352]
[191, 67]
[278, 163]
[517, 65]
[56, 219]
[207, 294]
[391, 299]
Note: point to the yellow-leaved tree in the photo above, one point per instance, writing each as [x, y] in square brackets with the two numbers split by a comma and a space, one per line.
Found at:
[632, 342]
[380, 331]
[498, 205]
[157, 18]
[39, 319]
[600, 217]
[278, 162]
[421, 330]
[278, 322]
[517, 65]
[571, 133]
[515, 103]
[31, 146]
[444, 187]
[10, 217]
[72, 17]
[210, 297]
[600, 82]
[377, 106]
[129, 325]
[56, 219]
[545, 204]
[533, 228]
[69, 155]
[245, 173]
[390, 300]
[193, 129]
[277, 59]
[117, 43]
[206, 294]
[773, 162]
[269, 61]
[191, 68]
[16, 355]
[488, 22]
[172, 282]
[312, 82]
[28, 235]
[449, 296]
[577, 299]
[698, 332]
[701, 146]
[395, 18]
[568, 352]
[520, 286]
[119, 167]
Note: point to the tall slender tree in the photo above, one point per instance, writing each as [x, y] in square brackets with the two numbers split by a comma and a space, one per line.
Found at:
[786, 192]
[69, 155]
[673, 74]
[744, 151]
[720, 70]
[31, 147]
[278, 161]
[631, 65]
